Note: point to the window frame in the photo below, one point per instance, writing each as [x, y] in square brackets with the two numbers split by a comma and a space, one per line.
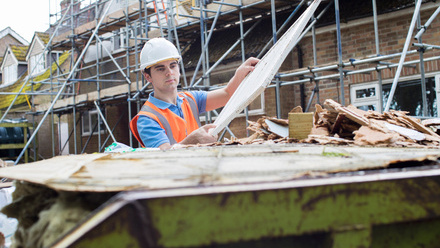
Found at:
[437, 92]
[375, 101]
[10, 74]
[366, 101]
[90, 125]
[40, 67]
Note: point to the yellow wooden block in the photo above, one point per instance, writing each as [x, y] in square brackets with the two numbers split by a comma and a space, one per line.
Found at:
[300, 125]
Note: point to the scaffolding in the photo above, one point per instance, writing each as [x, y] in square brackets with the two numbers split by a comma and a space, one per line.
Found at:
[131, 24]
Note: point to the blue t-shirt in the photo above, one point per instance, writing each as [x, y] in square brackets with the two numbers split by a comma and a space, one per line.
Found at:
[150, 132]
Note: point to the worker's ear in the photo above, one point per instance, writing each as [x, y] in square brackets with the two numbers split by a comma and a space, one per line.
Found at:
[147, 77]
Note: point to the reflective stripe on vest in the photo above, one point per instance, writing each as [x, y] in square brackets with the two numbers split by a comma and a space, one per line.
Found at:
[163, 122]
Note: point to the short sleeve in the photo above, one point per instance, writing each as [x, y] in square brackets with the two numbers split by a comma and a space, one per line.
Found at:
[200, 97]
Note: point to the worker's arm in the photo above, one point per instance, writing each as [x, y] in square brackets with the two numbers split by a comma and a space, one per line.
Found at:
[218, 98]
[199, 136]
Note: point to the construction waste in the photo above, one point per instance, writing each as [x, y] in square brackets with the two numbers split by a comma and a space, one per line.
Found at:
[44, 215]
[339, 125]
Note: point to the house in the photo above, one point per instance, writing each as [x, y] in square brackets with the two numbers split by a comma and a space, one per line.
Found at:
[9, 37]
[37, 59]
[108, 74]
[14, 63]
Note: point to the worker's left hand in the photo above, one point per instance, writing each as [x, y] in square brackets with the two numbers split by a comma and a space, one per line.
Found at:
[244, 69]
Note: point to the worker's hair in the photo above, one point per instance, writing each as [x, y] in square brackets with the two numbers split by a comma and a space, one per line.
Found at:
[148, 70]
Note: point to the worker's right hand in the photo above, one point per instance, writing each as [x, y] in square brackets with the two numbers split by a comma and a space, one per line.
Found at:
[244, 69]
[200, 136]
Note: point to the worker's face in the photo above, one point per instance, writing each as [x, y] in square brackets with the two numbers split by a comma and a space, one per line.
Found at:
[164, 75]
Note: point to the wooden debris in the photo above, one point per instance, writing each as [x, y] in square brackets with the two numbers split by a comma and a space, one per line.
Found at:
[300, 125]
[431, 122]
[297, 109]
[339, 125]
[283, 122]
[262, 130]
[325, 140]
[319, 130]
[393, 128]
[418, 126]
[368, 136]
[350, 113]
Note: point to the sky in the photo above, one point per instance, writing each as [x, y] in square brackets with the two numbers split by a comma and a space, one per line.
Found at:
[27, 16]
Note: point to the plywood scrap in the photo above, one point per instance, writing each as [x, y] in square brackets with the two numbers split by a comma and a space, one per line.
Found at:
[368, 136]
[323, 117]
[326, 140]
[350, 113]
[320, 130]
[264, 128]
[283, 122]
[418, 126]
[409, 133]
[277, 129]
[431, 122]
[297, 109]
[337, 126]
[393, 128]
[345, 125]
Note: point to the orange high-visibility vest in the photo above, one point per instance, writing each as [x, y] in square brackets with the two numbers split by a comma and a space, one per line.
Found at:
[175, 127]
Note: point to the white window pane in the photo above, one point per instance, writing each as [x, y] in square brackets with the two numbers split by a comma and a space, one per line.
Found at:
[37, 63]
[368, 107]
[10, 74]
[367, 92]
[86, 123]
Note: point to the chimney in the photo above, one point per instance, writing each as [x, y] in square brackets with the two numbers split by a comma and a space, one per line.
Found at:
[65, 4]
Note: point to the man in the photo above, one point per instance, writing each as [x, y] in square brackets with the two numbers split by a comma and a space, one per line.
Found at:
[169, 117]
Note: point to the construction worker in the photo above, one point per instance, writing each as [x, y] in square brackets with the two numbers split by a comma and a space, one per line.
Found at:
[169, 117]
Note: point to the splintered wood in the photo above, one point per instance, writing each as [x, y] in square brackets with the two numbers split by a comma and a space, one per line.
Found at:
[393, 128]
[339, 125]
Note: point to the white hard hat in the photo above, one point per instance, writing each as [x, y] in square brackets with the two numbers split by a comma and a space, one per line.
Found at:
[158, 50]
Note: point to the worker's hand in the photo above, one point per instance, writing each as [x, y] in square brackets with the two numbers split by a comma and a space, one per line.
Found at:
[200, 136]
[246, 68]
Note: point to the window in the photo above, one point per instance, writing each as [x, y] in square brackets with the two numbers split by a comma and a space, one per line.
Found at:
[407, 97]
[116, 40]
[120, 39]
[365, 96]
[89, 121]
[36, 64]
[98, 51]
[10, 74]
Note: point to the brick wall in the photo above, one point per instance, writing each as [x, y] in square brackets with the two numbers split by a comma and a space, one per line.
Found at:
[114, 114]
[358, 41]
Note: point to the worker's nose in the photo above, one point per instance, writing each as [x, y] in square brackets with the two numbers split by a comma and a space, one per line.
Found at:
[168, 71]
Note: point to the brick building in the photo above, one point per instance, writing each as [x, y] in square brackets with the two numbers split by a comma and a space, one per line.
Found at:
[108, 74]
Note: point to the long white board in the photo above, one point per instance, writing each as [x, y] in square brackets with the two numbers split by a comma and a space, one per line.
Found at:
[257, 81]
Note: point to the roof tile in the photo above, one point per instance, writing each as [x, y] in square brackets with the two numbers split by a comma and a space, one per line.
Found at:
[44, 37]
[19, 52]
